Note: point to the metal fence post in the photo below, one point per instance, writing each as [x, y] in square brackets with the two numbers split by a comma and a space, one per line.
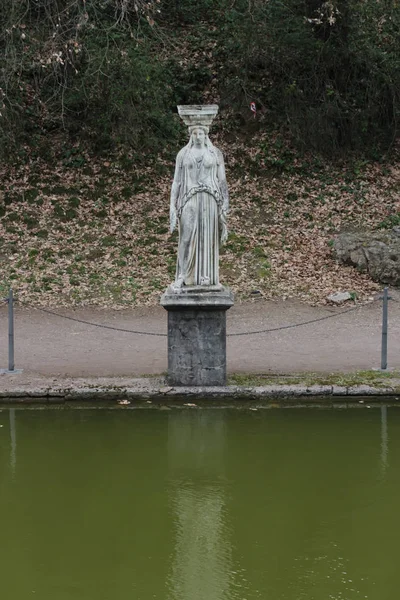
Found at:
[384, 329]
[11, 362]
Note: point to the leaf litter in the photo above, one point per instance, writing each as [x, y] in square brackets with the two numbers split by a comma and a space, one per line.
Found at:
[98, 233]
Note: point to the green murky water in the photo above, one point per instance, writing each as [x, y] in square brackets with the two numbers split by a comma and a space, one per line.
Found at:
[199, 505]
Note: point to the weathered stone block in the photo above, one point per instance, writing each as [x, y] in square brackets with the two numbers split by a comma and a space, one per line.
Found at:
[197, 335]
[377, 253]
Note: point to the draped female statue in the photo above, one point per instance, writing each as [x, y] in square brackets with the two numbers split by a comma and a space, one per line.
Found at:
[199, 203]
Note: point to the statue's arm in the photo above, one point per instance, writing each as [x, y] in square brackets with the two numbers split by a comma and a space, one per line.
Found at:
[175, 192]
[223, 187]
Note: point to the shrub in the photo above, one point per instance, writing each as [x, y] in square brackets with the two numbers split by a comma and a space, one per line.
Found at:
[112, 71]
[327, 72]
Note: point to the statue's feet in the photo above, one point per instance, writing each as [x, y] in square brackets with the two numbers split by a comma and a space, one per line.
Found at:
[205, 281]
[177, 285]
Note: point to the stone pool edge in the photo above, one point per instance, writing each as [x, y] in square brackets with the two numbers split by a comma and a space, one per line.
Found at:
[147, 391]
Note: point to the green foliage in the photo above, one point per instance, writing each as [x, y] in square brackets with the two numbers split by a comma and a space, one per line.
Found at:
[82, 69]
[111, 72]
[374, 378]
[327, 72]
[390, 221]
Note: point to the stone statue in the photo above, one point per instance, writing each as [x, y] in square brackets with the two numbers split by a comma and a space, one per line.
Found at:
[199, 202]
[196, 302]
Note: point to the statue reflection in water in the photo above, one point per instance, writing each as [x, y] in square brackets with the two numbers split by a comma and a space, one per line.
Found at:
[13, 442]
[201, 562]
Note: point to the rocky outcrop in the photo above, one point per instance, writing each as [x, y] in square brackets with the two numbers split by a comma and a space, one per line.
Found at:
[376, 253]
[339, 297]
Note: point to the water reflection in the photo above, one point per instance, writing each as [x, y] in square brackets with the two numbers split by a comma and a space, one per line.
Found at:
[384, 441]
[13, 442]
[314, 574]
[201, 561]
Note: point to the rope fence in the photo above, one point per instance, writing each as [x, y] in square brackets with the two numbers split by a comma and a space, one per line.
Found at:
[150, 333]
[11, 300]
[293, 325]
[50, 312]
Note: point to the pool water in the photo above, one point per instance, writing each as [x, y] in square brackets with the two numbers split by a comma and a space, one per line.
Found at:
[188, 504]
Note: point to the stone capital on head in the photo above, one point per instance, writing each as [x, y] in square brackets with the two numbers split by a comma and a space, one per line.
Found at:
[198, 116]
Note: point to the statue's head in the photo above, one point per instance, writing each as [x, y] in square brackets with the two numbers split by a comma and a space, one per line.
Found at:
[198, 119]
[203, 128]
[198, 135]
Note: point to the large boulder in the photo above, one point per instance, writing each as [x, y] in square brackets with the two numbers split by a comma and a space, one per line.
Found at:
[376, 253]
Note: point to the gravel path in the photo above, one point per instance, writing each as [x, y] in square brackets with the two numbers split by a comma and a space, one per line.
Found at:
[50, 346]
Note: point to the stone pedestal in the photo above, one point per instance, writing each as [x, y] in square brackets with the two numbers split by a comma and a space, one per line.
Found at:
[197, 334]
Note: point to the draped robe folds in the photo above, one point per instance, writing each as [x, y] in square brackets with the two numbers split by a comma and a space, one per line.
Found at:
[201, 201]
